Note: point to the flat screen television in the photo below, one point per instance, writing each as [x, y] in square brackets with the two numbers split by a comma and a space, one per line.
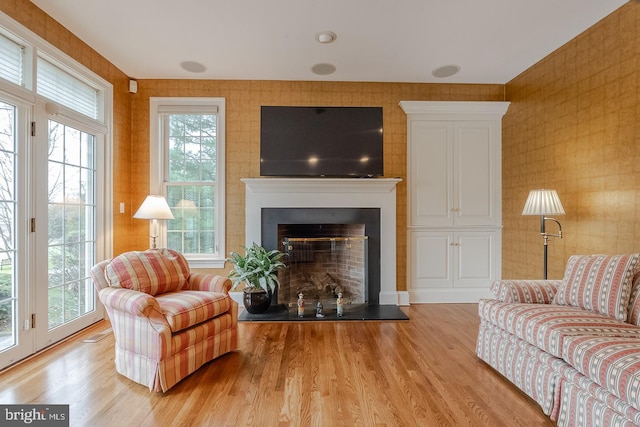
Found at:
[321, 141]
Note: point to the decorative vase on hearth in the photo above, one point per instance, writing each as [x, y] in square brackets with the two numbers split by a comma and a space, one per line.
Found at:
[256, 300]
[258, 270]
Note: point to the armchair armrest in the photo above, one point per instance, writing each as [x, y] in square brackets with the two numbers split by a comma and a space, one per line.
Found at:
[209, 282]
[138, 323]
[98, 276]
[129, 301]
[525, 291]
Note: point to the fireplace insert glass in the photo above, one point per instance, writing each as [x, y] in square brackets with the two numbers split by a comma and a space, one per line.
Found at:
[321, 269]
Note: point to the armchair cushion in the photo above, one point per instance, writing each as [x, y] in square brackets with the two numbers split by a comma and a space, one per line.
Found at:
[151, 272]
[188, 308]
[599, 283]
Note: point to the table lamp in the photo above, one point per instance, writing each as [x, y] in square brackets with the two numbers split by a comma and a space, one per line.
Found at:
[154, 208]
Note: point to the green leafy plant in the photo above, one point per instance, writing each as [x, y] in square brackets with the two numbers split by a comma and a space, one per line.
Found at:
[258, 268]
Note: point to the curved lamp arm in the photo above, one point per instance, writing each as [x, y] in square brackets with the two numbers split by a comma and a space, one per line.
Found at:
[543, 228]
[545, 236]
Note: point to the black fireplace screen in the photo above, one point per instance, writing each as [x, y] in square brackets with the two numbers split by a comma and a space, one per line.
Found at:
[322, 268]
[326, 223]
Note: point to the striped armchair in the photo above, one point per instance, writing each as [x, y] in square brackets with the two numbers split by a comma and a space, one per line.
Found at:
[167, 321]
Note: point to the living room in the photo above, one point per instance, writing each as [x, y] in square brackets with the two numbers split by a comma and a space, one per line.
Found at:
[571, 125]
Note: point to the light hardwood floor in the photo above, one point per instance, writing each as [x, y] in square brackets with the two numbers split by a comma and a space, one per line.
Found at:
[421, 372]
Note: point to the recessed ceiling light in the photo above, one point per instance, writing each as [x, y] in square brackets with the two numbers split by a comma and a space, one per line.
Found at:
[445, 71]
[326, 37]
[193, 67]
[323, 69]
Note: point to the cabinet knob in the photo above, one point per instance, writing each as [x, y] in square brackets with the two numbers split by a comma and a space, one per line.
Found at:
[455, 209]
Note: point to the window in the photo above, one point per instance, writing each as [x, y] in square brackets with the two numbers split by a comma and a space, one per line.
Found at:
[187, 149]
[60, 86]
[11, 66]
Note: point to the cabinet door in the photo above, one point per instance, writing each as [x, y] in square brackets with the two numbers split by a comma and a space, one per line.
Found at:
[431, 260]
[477, 164]
[474, 261]
[431, 173]
[448, 259]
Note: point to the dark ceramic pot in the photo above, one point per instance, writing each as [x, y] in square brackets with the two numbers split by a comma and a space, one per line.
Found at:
[256, 301]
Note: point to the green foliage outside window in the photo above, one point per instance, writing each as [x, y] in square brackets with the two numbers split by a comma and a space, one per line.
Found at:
[191, 182]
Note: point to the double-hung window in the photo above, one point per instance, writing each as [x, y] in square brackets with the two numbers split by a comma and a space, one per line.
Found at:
[187, 167]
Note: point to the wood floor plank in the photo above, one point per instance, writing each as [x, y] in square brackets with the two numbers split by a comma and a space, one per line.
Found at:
[421, 372]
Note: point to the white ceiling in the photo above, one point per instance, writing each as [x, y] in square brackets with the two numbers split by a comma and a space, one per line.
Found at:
[377, 40]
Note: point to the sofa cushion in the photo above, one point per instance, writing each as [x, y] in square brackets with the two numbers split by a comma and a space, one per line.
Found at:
[527, 291]
[613, 363]
[188, 308]
[546, 326]
[599, 283]
[152, 272]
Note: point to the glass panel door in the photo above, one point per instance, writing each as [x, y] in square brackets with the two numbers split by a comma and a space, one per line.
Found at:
[71, 223]
[70, 231]
[13, 305]
[8, 288]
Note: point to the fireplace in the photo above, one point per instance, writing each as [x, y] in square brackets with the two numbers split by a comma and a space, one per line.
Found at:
[328, 250]
[330, 201]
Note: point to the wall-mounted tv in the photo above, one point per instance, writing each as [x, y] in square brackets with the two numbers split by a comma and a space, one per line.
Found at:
[321, 141]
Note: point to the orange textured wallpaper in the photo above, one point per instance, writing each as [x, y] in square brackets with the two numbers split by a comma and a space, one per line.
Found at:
[243, 98]
[243, 101]
[574, 125]
[27, 14]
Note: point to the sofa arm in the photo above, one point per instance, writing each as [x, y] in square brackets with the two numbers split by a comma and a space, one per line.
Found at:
[209, 282]
[525, 291]
[129, 301]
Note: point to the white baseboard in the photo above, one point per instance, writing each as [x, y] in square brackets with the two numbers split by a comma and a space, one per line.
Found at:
[404, 298]
[388, 298]
[462, 295]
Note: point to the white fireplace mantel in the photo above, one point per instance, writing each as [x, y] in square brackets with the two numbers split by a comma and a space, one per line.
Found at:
[330, 193]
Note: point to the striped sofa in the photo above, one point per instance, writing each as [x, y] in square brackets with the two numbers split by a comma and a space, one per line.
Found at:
[572, 345]
[167, 321]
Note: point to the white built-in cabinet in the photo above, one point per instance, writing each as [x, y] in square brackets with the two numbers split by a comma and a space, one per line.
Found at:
[454, 199]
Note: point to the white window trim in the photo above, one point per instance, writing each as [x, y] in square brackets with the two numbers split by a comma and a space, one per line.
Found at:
[156, 169]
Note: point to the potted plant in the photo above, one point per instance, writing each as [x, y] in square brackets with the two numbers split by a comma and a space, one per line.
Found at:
[258, 269]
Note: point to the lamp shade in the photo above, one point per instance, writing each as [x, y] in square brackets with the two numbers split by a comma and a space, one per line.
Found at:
[154, 207]
[543, 202]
